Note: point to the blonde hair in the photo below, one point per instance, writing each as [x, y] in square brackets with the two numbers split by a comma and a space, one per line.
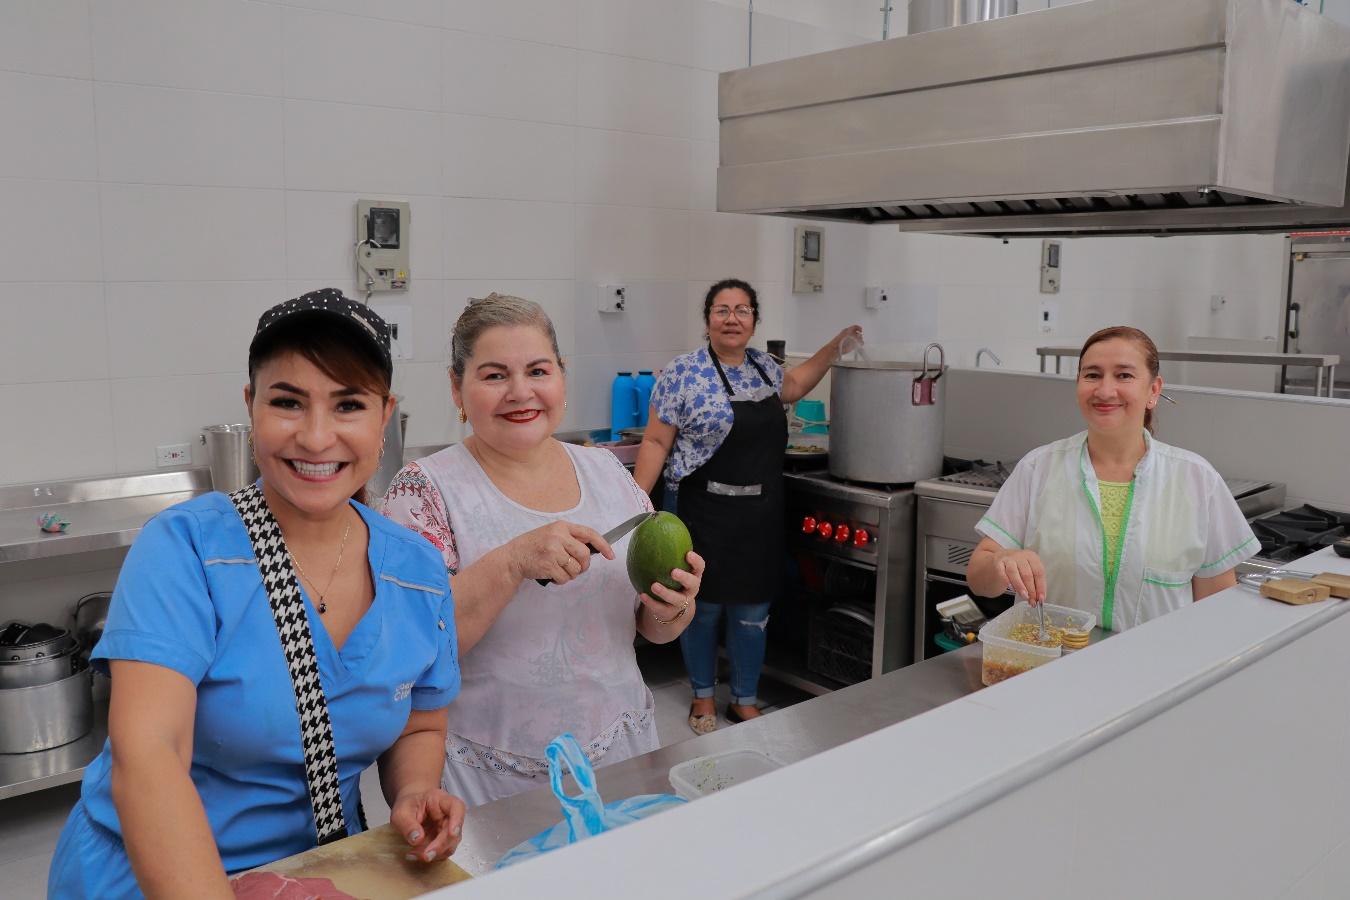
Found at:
[490, 312]
[1140, 340]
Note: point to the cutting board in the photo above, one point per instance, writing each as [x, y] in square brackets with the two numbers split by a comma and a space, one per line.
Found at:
[370, 866]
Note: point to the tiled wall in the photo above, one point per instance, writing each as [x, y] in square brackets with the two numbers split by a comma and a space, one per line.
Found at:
[170, 168]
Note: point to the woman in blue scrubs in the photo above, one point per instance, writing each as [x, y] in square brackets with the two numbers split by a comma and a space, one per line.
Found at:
[213, 765]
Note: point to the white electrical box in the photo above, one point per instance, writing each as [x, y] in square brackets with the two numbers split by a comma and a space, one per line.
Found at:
[1050, 267]
[383, 229]
[1049, 316]
[612, 298]
[875, 298]
[808, 269]
[399, 317]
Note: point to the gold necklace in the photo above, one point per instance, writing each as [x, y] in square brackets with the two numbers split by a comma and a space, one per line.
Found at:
[323, 607]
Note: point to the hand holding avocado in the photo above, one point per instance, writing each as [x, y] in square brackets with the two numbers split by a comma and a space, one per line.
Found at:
[557, 552]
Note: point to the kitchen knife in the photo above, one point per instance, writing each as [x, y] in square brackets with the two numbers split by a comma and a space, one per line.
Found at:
[610, 536]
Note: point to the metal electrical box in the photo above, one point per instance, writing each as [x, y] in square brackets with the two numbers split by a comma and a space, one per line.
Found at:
[808, 269]
[382, 238]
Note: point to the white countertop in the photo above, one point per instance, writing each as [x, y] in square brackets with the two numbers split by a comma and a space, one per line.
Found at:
[887, 789]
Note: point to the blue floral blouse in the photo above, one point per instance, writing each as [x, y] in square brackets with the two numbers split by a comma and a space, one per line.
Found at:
[690, 396]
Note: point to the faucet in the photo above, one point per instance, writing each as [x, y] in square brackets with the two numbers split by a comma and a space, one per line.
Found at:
[982, 351]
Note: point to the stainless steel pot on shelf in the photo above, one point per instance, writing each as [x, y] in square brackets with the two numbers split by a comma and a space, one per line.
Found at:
[35, 654]
[886, 419]
[47, 715]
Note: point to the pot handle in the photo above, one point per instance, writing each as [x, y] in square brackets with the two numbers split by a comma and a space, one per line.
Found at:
[941, 365]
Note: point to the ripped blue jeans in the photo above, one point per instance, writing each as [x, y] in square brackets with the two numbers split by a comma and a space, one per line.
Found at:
[745, 633]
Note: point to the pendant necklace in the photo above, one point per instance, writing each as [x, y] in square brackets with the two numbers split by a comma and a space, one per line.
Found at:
[323, 607]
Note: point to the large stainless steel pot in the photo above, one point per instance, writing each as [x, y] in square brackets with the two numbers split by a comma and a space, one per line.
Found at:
[35, 654]
[47, 715]
[878, 432]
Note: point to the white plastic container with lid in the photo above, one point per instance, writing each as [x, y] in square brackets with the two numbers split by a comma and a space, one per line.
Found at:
[1005, 657]
[705, 775]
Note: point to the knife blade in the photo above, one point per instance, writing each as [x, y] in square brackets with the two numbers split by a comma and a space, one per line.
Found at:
[611, 536]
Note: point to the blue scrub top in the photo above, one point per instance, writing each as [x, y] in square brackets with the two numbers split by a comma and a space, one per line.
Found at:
[190, 598]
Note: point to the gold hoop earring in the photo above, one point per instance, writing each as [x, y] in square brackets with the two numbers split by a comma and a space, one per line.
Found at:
[463, 416]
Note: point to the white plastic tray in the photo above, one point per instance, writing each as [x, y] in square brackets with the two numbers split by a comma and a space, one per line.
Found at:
[709, 774]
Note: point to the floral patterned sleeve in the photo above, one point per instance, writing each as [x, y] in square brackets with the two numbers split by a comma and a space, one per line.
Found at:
[414, 502]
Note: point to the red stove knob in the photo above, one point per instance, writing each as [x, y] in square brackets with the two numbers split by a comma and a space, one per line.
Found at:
[825, 529]
[841, 534]
[809, 525]
[860, 538]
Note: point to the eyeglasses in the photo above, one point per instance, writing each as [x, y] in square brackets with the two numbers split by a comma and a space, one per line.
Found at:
[722, 313]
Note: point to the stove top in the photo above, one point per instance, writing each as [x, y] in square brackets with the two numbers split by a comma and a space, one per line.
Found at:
[1288, 535]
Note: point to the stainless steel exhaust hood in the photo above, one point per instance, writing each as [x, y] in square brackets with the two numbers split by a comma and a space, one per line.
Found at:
[1102, 117]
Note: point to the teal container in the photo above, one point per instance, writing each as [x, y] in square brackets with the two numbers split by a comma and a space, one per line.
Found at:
[812, 411]
[645, 382]
[623, 407]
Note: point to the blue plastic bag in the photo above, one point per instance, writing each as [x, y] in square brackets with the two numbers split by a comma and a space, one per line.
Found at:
[585, 814]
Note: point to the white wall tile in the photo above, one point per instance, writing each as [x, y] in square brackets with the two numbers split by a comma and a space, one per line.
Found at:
[321, 232]
[151, 412]
[48, 429]
[45, 37]
[427, 336]
[625, 94]
[703, 175]
[756, 248]
[544, 21]
[807, 39]
[647, 29]
[623, 168]
[721, 36]
[56, 237]
[618, 243]
[337, 147]
[772, 38]
[424, 394]
[557, 297]
[153, 233]
[347, 59]
[53, 332]
[412, 12]
[508, 159]
[49, 127]
[154, 135]
[203, 44]
[655, 319]
[704, 125]
[511, 79]
[185, 327]
[507, 239]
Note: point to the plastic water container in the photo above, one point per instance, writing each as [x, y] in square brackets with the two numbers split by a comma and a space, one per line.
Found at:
[709, 774]
[645, 382]
[623, 406]
[1005, 657]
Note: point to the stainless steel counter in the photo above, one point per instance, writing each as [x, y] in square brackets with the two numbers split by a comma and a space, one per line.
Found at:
[787, 735]
[103, 512]
[1324, 363]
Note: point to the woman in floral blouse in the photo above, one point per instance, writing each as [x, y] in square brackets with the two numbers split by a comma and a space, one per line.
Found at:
[511, 505]
[718, 428]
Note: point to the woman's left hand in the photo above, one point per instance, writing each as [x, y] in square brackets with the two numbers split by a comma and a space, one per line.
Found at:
[431, 821]
[666, 604]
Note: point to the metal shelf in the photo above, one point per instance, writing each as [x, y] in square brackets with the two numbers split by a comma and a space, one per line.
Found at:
[23, 773]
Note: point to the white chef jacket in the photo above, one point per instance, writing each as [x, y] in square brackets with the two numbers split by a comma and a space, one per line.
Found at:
[1181, 522]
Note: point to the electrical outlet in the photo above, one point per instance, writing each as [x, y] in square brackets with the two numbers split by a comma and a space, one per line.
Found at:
[1049, 316]
[875, 298]
[612, 298]
[1216, 302]
[400, 319]
[173, 455]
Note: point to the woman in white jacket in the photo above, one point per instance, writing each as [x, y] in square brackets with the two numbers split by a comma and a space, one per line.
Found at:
[1112, 521]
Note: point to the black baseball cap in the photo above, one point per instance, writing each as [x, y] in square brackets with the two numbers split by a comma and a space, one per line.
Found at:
[327, 304]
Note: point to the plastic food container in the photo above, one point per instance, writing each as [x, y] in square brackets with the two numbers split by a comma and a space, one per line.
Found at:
[1005, 657]
[709, 774]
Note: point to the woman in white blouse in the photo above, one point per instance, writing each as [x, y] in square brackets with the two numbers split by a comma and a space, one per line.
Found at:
[511, 505]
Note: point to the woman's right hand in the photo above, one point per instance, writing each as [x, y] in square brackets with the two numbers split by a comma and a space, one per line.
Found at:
[557, 552]
[1025, 573]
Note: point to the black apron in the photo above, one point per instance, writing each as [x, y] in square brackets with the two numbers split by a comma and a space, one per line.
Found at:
[733, 503]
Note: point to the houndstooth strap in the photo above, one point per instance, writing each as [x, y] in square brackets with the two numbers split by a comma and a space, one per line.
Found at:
[288, 611]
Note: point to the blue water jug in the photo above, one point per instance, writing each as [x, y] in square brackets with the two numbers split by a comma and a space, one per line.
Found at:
[645, 382]
[623, 407]
[812, 411]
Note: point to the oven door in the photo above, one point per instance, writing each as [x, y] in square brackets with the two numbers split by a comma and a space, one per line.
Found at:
[947, 538]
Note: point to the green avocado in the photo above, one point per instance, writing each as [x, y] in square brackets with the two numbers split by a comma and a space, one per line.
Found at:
[659, 545]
